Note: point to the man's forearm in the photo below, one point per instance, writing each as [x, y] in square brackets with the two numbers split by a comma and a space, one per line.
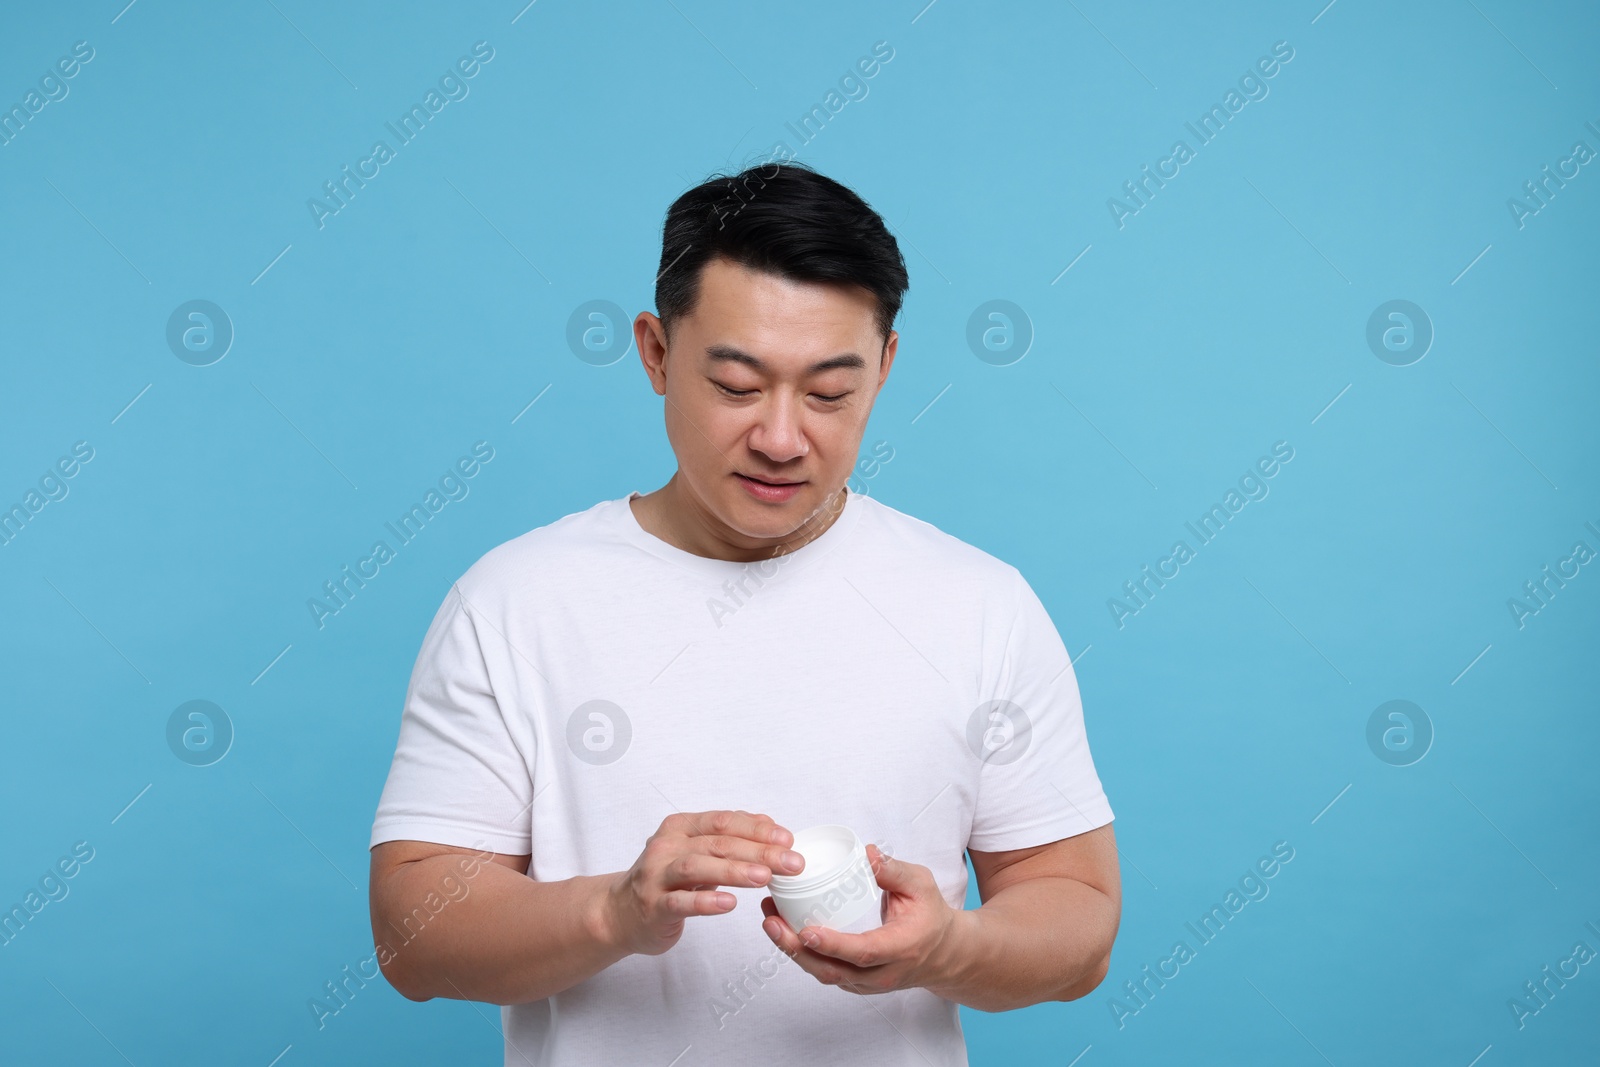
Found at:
[508, 940]
[1041, 939]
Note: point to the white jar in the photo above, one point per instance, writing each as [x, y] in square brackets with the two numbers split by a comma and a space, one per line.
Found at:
[836, 888]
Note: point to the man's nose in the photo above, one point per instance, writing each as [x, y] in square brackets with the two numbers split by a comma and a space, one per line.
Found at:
[779, 433]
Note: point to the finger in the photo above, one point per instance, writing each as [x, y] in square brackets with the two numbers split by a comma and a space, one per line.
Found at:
[898, 875]
[775, 858]
[783, 935]
[755, 827]
[824, 969]
[859, 950]
[693, 869]
[682, 903]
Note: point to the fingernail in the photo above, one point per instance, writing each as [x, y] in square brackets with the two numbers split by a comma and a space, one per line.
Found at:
[757, 874]
[793, 860]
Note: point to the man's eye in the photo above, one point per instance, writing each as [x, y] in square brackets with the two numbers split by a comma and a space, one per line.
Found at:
[747, 392]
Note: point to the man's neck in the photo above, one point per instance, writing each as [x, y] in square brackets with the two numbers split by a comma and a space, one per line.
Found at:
[673, 515]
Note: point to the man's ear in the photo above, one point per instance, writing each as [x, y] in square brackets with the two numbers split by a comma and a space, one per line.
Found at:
[890, 346]
[650, 337]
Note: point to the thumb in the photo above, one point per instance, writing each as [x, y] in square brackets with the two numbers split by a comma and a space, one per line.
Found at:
[892, 873]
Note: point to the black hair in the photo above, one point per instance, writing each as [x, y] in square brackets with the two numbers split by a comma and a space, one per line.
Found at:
[785, 219]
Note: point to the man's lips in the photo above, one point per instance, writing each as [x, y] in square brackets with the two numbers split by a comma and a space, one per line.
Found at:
[768, 481]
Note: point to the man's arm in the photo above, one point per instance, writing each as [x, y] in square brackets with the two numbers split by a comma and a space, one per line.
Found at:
[1045, 929]
[451, 922]
[456, 924]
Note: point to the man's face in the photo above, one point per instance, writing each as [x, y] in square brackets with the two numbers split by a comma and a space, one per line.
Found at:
[768, 384]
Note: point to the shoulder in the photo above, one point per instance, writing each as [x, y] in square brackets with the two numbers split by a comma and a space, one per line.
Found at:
[923, 546]
[541, 556]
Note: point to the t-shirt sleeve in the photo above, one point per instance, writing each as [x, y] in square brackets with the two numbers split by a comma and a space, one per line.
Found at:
[459, 776]
[1037, 781]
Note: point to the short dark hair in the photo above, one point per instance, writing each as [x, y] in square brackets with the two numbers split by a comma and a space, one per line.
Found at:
[785, 219]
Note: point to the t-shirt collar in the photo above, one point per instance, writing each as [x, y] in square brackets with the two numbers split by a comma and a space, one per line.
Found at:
[627, 524]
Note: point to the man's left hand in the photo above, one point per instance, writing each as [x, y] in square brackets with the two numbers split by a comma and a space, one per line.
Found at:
[917, 945]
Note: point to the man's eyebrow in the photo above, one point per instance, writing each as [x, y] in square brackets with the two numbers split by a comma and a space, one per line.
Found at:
[729, 354]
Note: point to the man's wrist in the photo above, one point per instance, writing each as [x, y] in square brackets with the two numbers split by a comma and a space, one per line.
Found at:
[600, 917]
[954, 960]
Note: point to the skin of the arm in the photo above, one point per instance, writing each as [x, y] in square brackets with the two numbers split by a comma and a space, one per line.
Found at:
[481, 944]
[1048, 920]
[451, 922]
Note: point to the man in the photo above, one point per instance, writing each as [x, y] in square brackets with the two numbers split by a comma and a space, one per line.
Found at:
[617, 721]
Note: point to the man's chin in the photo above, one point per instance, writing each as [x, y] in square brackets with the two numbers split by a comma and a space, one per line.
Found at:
[769, 521]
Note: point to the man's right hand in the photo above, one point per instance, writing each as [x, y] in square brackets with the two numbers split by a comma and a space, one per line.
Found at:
[683, 863]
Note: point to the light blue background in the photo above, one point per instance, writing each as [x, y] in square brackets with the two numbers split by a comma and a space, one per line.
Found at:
[1226, 315]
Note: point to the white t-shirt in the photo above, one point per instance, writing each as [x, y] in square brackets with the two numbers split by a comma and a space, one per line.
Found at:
[583, 681]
